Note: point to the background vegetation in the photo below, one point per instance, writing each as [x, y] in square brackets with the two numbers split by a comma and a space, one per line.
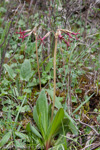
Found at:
[50, 74]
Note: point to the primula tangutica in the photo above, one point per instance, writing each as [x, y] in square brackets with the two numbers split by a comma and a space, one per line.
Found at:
[58, 35]
[22, 34]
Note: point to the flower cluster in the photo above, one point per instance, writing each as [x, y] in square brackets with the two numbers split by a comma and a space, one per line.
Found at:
[60, 36]
[69, 34]
[22, 34]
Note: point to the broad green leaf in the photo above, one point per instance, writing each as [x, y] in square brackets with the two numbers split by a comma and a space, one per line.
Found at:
[49, 65]
[5, 139]
[10, 71]
[21, 135]
[26, 71]
[54, 126]
[40, 113]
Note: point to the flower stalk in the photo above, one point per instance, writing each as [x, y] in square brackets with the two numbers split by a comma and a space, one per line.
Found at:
[54, 93]
[38, 61]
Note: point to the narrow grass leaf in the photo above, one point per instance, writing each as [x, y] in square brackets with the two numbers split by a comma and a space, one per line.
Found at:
[83, 103]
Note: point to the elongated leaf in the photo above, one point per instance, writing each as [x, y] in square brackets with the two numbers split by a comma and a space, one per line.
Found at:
[21, 135]
[2, 38]
[35, 131]
[71, 124]
[40, 113]
[26, 71]
[10, 71]
[55, 123]
[36, 116]
[29, 128]
[5, 139]
[5, 32]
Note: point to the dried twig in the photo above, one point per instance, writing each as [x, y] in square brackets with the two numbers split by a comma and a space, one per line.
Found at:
[88, 126]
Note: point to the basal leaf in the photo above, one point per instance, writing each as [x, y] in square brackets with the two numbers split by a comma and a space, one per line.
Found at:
[5, 139]
[26, 71]
[40, 113]
[36, 116]
[33, 129]
[55, 123]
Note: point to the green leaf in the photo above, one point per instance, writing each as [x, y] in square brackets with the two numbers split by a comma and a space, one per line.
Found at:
[20, 145]
[21, 135]
[21, 22]
[28, 129]
[5, 31]
[40, 113]
[71, 123]
[5, 139]
[25, 108]
[2, 10]
[35, 116]
[26, 72]
[35, 131]
[49, 65]
[54, 126]
[10, 71]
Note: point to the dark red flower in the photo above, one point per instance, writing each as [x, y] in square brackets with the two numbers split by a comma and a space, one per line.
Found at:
[22, 34]
[75, 34]
[41, 39]
[67, 43]
[61, 37]
[69, 35]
